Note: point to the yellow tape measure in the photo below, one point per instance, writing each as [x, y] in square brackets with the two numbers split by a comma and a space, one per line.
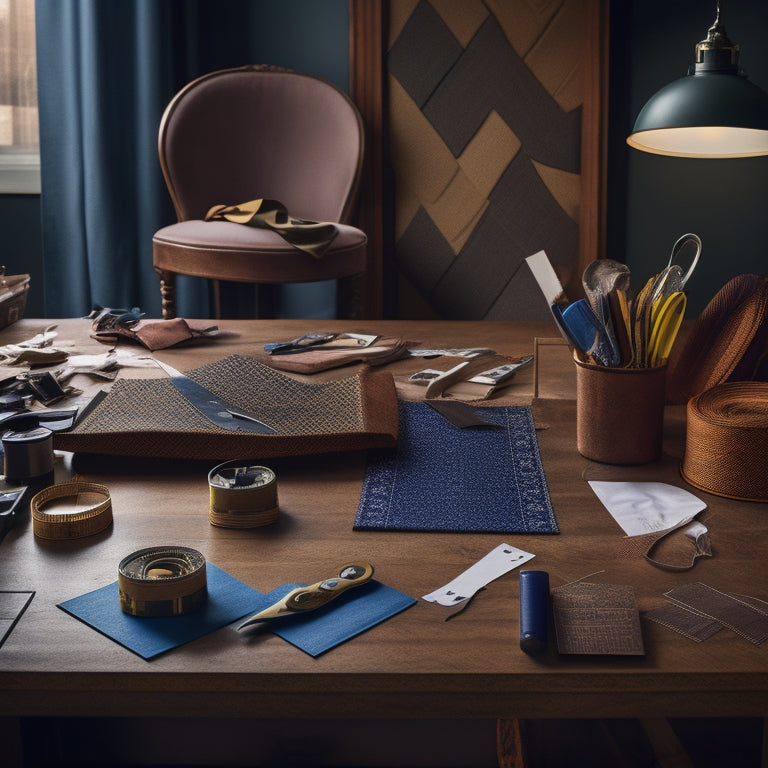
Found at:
[242, 495]
[90, 505]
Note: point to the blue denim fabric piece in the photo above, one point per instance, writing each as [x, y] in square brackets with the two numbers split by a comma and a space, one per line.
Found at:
[441, 478]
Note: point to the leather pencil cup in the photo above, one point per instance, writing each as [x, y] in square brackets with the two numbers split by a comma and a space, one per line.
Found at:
[620, 413]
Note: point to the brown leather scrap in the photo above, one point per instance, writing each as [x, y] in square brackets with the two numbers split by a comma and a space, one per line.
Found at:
[157, 334]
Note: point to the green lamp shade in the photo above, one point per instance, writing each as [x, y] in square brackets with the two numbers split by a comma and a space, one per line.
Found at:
[709, 114]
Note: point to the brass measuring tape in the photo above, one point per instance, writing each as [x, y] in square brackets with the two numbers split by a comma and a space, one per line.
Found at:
[162, 581]
[93, 518]
[243, 495]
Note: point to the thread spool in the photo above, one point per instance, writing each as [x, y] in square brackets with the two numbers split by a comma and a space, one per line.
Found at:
[27, 454]
[534, 600]
[242, 495]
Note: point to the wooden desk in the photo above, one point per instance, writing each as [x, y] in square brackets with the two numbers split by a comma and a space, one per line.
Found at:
[414, 665]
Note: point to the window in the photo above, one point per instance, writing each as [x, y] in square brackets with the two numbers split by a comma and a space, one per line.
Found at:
[19, 141]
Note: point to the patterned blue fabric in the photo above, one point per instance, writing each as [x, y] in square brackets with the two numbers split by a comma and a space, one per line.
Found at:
[441, 478]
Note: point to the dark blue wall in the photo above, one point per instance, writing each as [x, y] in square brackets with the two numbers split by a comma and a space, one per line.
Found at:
[653, 199]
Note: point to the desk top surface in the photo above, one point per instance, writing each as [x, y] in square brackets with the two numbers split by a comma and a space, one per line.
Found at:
[414, 664]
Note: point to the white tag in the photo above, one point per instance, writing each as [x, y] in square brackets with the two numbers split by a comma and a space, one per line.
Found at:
[546, 277]
[496, 563]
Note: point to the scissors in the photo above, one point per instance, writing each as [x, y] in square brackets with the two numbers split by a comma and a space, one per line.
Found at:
[672, 278]
[668, 318]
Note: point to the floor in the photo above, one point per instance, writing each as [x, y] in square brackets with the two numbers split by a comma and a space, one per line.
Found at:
[141, 743]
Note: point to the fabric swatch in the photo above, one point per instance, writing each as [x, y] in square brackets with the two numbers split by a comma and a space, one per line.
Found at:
[229, 600]
[348, 615]
[442, 478]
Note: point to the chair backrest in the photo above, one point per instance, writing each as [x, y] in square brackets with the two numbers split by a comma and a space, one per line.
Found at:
[262, 132]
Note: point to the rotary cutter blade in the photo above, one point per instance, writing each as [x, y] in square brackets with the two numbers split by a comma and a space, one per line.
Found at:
[303, 599]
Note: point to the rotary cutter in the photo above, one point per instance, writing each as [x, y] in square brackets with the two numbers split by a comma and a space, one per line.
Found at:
[303, 599]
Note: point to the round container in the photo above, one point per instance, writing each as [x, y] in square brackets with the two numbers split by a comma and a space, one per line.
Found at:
[620, 413]
[243, 495]
[27, 454]
[727, 441]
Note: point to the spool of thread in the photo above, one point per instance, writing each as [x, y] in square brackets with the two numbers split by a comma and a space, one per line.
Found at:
[27, 454]
[242, 495]
[534, 601]
[727, 440]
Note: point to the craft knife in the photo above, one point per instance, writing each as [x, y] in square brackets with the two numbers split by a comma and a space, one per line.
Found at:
[303, 599]
[212, 407]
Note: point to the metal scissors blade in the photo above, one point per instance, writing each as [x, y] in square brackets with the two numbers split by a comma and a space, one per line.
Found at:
[303, 599]
[212, 407]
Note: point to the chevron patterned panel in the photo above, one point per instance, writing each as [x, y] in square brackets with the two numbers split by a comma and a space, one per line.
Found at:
[485, 134]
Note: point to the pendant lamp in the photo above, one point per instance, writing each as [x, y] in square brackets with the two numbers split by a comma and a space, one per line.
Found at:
[715, 111]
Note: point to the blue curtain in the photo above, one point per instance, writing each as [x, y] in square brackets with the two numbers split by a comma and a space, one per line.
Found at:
[106, 71]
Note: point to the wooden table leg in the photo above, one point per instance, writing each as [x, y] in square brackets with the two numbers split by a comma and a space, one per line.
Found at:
[509, 743]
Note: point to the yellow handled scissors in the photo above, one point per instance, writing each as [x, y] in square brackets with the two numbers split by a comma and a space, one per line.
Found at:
[667, 319]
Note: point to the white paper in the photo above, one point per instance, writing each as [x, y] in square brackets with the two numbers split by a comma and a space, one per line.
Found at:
[545, 277]
[646, 507]
[496, 563]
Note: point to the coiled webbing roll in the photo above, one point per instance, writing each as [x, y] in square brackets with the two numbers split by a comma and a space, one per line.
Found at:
[162, 581]
[91, 512]
[727, 441]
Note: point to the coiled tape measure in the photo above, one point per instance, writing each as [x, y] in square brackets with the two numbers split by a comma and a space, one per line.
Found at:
[162, 581]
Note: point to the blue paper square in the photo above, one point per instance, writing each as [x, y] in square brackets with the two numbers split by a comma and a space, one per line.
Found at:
[348, 615]
[230, 599]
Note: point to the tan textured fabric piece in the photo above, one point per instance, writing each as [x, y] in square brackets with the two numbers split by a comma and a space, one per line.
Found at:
[312, 237]
[149, 417]
[597, 619]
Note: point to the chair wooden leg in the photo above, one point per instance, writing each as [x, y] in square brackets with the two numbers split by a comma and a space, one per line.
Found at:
[214, 294]
[167, 293]
[509, 743]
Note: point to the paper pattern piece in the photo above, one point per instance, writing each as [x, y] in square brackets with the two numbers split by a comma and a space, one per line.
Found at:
[229, 600]
[442, 478]
[641, 507]
[597, 619]
[496, 563]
